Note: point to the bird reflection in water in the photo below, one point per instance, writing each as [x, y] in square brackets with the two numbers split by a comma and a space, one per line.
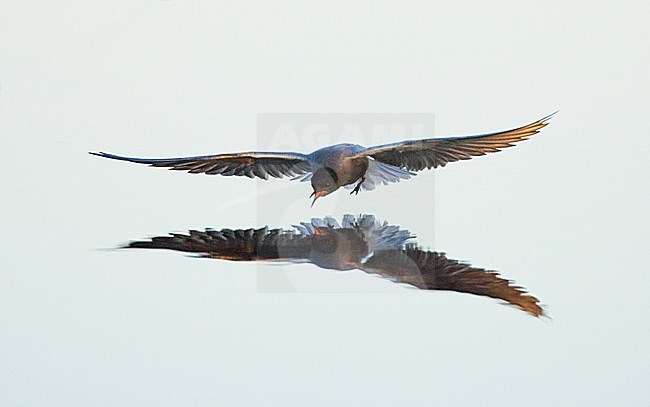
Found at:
[361, 243]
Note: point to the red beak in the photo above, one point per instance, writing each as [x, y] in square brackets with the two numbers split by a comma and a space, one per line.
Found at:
[316, 195]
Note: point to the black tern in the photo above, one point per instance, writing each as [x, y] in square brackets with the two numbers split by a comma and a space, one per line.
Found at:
[357, 243]
[348, 165]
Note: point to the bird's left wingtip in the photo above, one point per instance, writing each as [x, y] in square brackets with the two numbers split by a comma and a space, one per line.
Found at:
[549, 117]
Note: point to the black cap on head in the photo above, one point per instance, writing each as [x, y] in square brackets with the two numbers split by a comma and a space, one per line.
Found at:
[324, 182]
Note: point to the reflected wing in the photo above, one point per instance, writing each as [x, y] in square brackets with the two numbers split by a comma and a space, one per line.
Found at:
[261, 165]
[434, 271]
[417, 155]
[237, 245]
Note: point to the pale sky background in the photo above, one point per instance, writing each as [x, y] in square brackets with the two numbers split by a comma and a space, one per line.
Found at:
[564, 214]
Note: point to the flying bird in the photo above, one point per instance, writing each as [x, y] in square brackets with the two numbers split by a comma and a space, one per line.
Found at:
[347, 165]
[357, 243]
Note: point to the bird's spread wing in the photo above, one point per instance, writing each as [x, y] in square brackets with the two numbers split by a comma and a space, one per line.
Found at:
[235, 245]
[251, 164]
[416, 155]
[434, 271]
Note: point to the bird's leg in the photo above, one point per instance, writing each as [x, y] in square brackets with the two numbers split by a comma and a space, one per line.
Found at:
[357, 188]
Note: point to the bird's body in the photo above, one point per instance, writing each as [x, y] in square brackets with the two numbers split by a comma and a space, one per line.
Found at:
[332, 167]
[344, 160]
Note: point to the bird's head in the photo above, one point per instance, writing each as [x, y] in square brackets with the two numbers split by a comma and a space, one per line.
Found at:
[324, 181]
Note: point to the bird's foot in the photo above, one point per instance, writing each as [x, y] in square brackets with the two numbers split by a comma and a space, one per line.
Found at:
[357, 188]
